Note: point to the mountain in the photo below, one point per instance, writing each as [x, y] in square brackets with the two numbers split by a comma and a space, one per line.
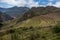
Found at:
[40, 16]
[3, 9]
[4, 17]
[44, 10]
[41, 23]
[14, 11]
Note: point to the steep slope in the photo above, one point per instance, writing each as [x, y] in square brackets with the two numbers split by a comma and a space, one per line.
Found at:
[44, 10]
[38, 21]
[4, 17]
[41, 16]
[35, 24]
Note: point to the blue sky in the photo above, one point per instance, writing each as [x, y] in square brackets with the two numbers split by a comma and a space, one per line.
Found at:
[29, 3]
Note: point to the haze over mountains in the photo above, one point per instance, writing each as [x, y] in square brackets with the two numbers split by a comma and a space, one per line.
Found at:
[14, 11]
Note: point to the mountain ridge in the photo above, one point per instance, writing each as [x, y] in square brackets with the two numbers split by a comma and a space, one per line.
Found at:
[14, 11]
[44, 14]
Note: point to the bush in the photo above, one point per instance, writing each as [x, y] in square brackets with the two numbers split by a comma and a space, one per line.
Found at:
[11, 31]
[1, 25]
[34, 36]
[56, 29]
[15, 36]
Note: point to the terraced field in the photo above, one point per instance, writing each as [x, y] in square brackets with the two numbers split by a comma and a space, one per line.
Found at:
[40, 21]
[35, 28]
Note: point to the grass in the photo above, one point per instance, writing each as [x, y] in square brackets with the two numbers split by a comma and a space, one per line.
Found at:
[35, 28]
[37, 21]
[30, 33]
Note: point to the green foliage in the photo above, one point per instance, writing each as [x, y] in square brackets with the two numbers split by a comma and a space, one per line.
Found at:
[14, 36]
[30, 33]
[1, 25]
[11, 31]
[56, 29]
[34, 36]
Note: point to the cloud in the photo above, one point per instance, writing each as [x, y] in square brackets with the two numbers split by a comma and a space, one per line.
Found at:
[11, 2]
[57, 4]
[31, 3]
[19, 3]
[50, 3]
[5, 5]
[27, 3]
[50, 0]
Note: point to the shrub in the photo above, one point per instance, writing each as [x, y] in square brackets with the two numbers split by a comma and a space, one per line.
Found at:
[11, 31]
[56, 29]
[15, 36]
[1, 25]
[34, 36]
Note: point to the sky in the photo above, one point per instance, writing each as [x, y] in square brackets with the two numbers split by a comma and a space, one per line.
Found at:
[29, 3]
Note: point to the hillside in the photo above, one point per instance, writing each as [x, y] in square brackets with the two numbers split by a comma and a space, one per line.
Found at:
[39, 27]
[14, 11]
[42, 23]
[4, 18]
[35, 17]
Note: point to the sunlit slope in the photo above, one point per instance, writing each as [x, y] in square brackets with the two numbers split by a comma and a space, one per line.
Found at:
[41, 21]
[37, 21]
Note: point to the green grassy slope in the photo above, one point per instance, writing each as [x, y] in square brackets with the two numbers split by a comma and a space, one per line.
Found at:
[38, 21]
[35, 28]
[32, 33]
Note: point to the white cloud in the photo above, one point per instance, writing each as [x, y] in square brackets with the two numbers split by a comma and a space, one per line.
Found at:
[12, 2]
[50, 0]
[29, 3]
[57, 4]
[50, 3]
[21, 3]
[18, 3]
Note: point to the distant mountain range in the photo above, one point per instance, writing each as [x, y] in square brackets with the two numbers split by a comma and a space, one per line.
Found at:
[34, 11]
[14, 11]
[3, 9]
